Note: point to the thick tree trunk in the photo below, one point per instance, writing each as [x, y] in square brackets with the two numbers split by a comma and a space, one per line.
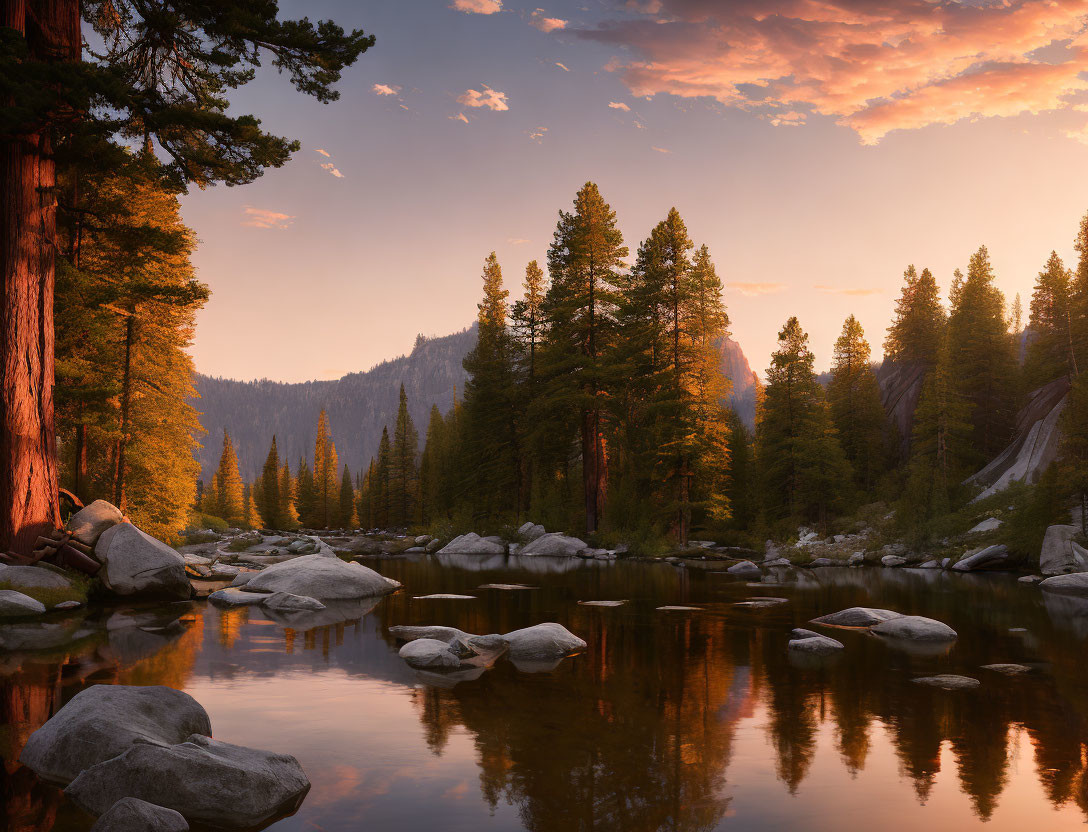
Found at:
[29, 502]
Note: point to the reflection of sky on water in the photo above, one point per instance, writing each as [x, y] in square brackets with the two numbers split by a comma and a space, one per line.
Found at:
[687, 721]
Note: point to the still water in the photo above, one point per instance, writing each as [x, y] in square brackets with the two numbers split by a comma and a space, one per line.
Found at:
[675, 720]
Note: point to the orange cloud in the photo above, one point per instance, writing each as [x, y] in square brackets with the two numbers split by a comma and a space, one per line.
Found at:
[873, 65]
[477, 6]
[755, 289]
[486, 97]
[263, 218]
[539, 20]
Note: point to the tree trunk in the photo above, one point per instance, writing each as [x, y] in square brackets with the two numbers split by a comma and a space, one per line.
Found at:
[119, 498]
[29, 502]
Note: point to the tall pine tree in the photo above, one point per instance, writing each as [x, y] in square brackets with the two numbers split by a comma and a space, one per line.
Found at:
[404, 467]
[854, 397]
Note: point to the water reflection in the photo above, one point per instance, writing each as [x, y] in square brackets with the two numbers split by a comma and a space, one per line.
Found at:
[669, 721]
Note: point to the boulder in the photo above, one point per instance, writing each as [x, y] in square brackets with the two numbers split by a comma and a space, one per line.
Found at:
[745, 569]
[856, 559]
[34, 577]
[806, 641]
[1074, 584]
[87, 524]
[130, 814]
[207, 781]
[986, 558]
[103, 721]
[929, 564]
[472, 544]
[915, 628]
[422, 540]
[323, 578]
[405, 632]
[430, 654]
[136, 565]
[433, 546]
[286, 602]
[242, 578]
[1030, 579]
[777, 562]
[302, 546]
[543, 643]
[14, 604]
[1007, 668]
[1060, 554]
[947, 681]
[234, 597]
[891, 561]
[857, 617]
[987, 525]
[554, 543]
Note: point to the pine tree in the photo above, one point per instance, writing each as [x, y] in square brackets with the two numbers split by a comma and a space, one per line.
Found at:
[740, 489]
[267, 495]
[404, 467]
[1073, 461]
[528, 320]
[854, 397]
[326, 485]
[915, 334]
[228, 486]
[804, 471]
[430, 468]
[491, 437]
[306, 499]
[1050, 354]
[585, 262]
[346, 516]
[1017, 315]
[380, 483]
[984, 359]
[253, 517]
[287, 512]
[1079, 298]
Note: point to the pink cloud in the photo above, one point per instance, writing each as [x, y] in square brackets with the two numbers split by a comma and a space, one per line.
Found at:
[385, 89]
[263, 218]
[486, 97]
[539, 20]
[873, 65]
[477, 6]
[618, 105]
[756, 289]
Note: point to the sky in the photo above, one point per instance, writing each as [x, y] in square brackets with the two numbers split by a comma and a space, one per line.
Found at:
[818, 147]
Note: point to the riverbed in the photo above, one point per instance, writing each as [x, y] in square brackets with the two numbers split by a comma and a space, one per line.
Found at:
[677, 719]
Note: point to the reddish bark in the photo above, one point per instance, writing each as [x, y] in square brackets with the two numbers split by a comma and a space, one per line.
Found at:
[29, 503]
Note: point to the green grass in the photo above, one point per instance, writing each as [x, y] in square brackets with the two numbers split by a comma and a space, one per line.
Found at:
[78, 591]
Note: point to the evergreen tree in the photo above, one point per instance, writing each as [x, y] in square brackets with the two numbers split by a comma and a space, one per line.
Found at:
[528, 320]
[346, 516]
[740, 489]
[267, 496]
[984, 359]
[854, 397]
[306, 499]
[1050, 354]
[804, 472]
[287, 512]
[326, 486]
[404, 468]
[380, 483]
[430, 468]
[155, 72]
[491, 434]
[228, 486]
[915, 333]
[1073, 461]
[1079, 298]
[1017, 315]
[585, 262]
[253, 518]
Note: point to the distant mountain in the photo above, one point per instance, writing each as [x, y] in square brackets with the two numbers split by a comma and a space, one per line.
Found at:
[360, 404]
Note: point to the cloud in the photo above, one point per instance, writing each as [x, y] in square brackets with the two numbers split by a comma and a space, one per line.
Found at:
[477, 6]
[873, 65]
[263, 218]
[661, 149]
[537, 135]
[385, 89]
[322, 151]
[460, 117]
[331, 168]
[1079, 135]
[563, 67]
[844, 290]
[517, 241]
[487, 97]
[756, 289]
[538, 19]
[619, 105]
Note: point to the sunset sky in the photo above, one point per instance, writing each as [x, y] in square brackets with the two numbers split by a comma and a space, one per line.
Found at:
[817, 147]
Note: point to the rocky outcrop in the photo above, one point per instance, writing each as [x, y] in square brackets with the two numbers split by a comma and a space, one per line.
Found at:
[1034, 445]
[208, 781]
[900, 389]
[857, 617]
[104, 721]
[531, 531]
[915, 628]
[1073, 584]
[131, 815]
[87, 524]
[137, 566]
[555, 544]
[472, 544]
[323, 578]
[1060, 554]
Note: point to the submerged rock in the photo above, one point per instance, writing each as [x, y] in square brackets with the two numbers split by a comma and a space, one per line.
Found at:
[1007, 669]
[130, 814]
[233, 597]
[87, 524]
[323, 578]
[554, 544]
[947, 681]
[287, 602]
[1073, 584]
[806, 641]
[1061, 554]
[472, 544]
[982, 559]
[136, 565]
[857, 617]
[430, 654]
[761, 602]
[441, 596]
[206, 780]
[602, 603]
[104, 721]
[543, 642]
[14, 604]
[915, 628]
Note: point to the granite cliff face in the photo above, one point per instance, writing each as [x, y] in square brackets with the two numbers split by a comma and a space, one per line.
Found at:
[361, 404]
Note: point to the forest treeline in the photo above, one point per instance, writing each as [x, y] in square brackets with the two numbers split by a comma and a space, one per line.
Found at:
[596, 403]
